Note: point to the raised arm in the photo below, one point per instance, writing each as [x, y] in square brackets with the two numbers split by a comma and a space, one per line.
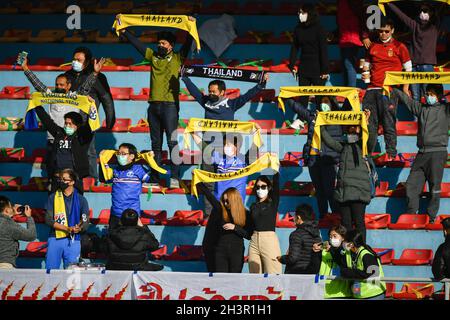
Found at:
[194, 90]
[146, 52]
[403, 17]
[207, 193]
[34, 80]
[105, 97]
[47, 121]
[240, 101]
[413, 106]
[87, 85]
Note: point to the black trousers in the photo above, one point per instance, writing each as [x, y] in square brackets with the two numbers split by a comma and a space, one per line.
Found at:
[229, 255]
[310, 81]
[163, 118]
[382, 110]
[323, 176]
[210, 258]
[353, 213]
[427, 167]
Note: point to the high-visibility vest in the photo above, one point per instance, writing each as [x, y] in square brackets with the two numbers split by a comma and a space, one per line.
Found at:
[336, 288]
[368, 288]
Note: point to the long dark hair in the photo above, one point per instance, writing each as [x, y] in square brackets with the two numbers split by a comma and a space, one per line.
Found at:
[431, 10]
[266, 180]
[357, 239]
[313, 15]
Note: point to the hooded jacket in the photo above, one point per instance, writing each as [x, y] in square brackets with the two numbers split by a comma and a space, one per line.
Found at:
[127, 247]
[301, 258]
[433, 121]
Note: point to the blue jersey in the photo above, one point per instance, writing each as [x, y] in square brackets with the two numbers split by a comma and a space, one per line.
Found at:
[224, 164]
[126, 189]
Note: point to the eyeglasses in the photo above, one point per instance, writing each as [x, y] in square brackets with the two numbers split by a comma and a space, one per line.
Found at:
[262, 187]
[384, 31]
[122, 153]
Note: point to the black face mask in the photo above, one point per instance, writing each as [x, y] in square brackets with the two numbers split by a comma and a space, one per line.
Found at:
[213, 98]
[59, 90]
[162, 51]
[62, 185]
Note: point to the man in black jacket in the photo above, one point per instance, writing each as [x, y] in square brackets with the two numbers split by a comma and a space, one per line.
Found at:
[82, 67]
[128, 244]
[301, 259]
[441, 262]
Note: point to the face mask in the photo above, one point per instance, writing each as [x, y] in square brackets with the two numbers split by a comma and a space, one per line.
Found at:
[77, 66]
[303, 17]
[213, 98]
[59, 90]
[62, 185]
[431, 100]
[352, 138]
[262, 193]
[69, 130]
[229, 151]
[162, 51]
[387, 40]
[123, 160]
[335, 243]
[325, 107]
[424, 16]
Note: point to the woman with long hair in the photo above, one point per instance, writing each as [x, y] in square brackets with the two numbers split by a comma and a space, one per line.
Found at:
[228, 224]
[264, 247]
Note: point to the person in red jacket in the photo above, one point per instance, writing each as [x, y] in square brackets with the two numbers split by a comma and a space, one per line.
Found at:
[352, 36]
[385, 54]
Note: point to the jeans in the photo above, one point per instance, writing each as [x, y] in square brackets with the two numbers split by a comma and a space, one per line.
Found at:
[163, 118]
[353, 212]
[349, 57]
[230, 254]
[323, 176]
[66, 249]
[418, 90]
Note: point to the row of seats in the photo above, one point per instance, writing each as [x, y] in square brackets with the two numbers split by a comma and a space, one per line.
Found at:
[414, 291]
[196, 218]
[163, 7]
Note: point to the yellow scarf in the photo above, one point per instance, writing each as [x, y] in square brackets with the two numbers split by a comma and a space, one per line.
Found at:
[158, 20]
[108, 154]
[352, 94]
[265, 161]
[382, 2]
[339, 118]
[196, 124]
[60, 214]
[394, 78]
[76, 101]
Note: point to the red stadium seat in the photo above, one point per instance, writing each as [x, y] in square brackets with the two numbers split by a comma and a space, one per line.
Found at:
[407, 128]
[185, 218]
[10, 183]
[185, 187]
[103, 217]
[437, 223]
[330, 220]
[35, 250]
[386, 255]
[232, 93]
[402, 160]
[160, 254]
[287, 221]
[400, 191]
[186, 253]
[410, 221]
[153, 217]
[414, 257]
[88, 183]
[377, 221]
[121, 93]
[47, 64]
[121, 125]
[37, 156]
[390, 288]
[141, 127]
[11, 92]
[297, 188]
[382, 188]
[191, 156]
[292, 159]
[414, 291]
[266, 124]
[37, 214]
[143, 95]
[266, 95]
[285, 129]
[102, 188]
[12, 154]
[445, 190]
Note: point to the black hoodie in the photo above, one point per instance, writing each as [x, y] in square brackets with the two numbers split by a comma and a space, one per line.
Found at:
[127, 247]
[301, 259]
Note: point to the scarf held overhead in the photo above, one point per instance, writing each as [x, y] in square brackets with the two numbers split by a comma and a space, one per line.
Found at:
[62, 217]
[347, 118]
[352, 94]
[395, 78]
[196, 125]
[383, 9]
[266, 161]
[157, 20]
[224, 73]
[108, 154]
[76, 101]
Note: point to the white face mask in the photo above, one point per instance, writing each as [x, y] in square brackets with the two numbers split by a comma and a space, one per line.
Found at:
[335, 243]
[229, 151]
[387, 40]
[424, 16]
[303, 17]
[77, 66]
[262, 193]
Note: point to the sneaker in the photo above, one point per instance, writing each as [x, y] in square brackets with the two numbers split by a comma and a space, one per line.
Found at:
[174, 183]
[297, 125]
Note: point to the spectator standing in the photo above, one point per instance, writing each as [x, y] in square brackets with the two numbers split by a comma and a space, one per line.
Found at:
[11, 232]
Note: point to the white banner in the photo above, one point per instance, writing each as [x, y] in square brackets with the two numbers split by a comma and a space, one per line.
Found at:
[125, 285]
[225, 286]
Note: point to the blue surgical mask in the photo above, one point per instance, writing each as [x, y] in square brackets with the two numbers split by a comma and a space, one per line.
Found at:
[325, 107]
[122, 159]
[69, 130]
[431, 100]
[77, 66]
